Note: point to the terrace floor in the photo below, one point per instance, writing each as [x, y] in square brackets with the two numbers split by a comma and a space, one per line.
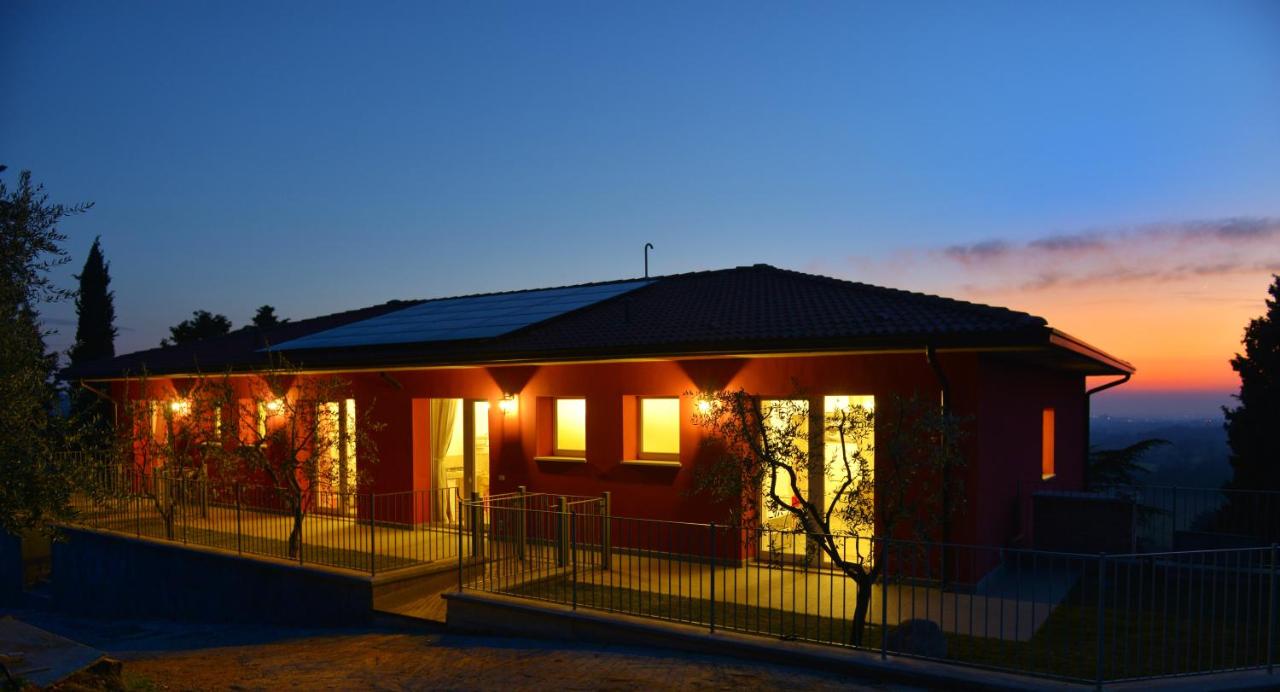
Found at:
[331, 540]
[1004, 605]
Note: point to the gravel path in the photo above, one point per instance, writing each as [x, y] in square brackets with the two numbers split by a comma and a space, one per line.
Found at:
[179, 656]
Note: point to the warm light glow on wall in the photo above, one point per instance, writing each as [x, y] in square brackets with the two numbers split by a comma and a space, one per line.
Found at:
[509, 403]
[180, 407]
[1047, 444]
[275, 406]
[704, 405]
[571, 427]
[660, 428]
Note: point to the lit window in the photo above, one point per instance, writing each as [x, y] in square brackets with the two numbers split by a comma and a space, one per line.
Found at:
[260, 420]
[159, 425]
[571, 428]
[660, 429]
[1046, 445]
[786, 424]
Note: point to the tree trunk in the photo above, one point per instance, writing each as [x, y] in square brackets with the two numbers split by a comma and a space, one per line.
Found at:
[861, 606]
[295, 535]
[166, 515]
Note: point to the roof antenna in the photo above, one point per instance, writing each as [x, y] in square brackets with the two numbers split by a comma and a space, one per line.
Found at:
[647, 248]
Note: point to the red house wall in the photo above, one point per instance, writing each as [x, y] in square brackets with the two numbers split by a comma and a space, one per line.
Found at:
[1002, 400]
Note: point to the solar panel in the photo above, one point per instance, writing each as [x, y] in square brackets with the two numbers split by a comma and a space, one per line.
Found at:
[470, 317]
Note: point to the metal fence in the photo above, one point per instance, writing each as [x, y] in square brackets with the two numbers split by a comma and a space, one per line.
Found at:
[1181, 518]
[367, 532]
[1072, 617]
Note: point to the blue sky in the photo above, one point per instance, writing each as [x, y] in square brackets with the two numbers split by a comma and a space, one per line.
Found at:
[321, 156]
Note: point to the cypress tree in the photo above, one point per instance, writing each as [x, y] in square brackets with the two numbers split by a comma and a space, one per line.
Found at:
[1253, 427]
[95, 310]
[95, 331]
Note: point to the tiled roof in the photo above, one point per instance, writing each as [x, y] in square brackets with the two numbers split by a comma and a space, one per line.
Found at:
[741, 310]
[766, 304]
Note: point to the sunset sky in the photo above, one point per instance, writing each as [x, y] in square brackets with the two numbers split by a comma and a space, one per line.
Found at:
[1109, 166]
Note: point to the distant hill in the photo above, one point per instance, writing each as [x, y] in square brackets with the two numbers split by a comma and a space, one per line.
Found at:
[1197, 456]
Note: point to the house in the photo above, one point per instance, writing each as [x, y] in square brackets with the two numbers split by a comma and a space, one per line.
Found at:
[583, 389]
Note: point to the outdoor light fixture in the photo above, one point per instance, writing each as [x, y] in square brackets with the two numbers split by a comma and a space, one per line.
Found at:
[180, 407]
[704, 405]
[275, 406]
[508, 403]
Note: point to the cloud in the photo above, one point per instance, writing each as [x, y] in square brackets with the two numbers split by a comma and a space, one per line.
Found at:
[1154, 253]
[1172, 298]
[978, 252]
[1070, 243]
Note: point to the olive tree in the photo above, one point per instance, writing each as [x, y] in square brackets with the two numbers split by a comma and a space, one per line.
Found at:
[301, 433]
[173, 441]
[42, 460]
[847, 476]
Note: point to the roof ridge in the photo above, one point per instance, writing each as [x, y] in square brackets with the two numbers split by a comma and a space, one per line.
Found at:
[588, 284]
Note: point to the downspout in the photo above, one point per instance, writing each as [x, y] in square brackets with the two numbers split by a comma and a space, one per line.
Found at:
[115, 408]
[931, 356]
[1088, 397]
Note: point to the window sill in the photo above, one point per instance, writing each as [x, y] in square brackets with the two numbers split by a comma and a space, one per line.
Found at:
[563, 460]
[651, 462]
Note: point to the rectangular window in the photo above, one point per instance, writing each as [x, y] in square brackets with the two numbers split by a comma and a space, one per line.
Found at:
[850, 459]
[570, 428]
[1046, 445]
[159, 424]
[786, 427]
[260, 420]
[335, 441]
[660, 428]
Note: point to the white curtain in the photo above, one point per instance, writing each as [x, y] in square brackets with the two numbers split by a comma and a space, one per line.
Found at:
[444, 415]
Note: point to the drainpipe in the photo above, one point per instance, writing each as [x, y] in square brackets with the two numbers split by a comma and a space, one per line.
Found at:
[115, 408]
[1087, 399]
[931, 356]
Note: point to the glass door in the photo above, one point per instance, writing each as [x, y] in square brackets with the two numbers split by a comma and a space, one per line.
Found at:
[477, 452]
[335, 470]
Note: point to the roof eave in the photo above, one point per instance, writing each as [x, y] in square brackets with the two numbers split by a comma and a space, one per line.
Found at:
[1112, 364]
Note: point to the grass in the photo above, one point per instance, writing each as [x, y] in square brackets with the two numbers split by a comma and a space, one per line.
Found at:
[1137, 642]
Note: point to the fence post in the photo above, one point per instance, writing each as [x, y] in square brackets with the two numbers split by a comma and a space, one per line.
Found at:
[138, 498]
[573, 558]
[1271, 617]
[373, 536]
[562, 533]
[712, 609]
[459, 544]
[521, 523]
[182, 508]
[884, 594]
[239, 533]
[1102, 581]
[477, 525]
[606, 542]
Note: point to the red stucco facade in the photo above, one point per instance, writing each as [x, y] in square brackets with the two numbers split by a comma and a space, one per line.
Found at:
[1000, 397]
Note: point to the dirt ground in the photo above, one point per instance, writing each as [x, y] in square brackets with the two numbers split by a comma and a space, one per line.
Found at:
[190, 656]
[406, 661]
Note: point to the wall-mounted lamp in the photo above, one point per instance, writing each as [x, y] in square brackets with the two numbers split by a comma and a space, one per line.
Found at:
[275, 406]
[509, 403]
[180, 407]
[704, 405]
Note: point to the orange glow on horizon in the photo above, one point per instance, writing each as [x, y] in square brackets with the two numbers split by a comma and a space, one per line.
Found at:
[1179, 335]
